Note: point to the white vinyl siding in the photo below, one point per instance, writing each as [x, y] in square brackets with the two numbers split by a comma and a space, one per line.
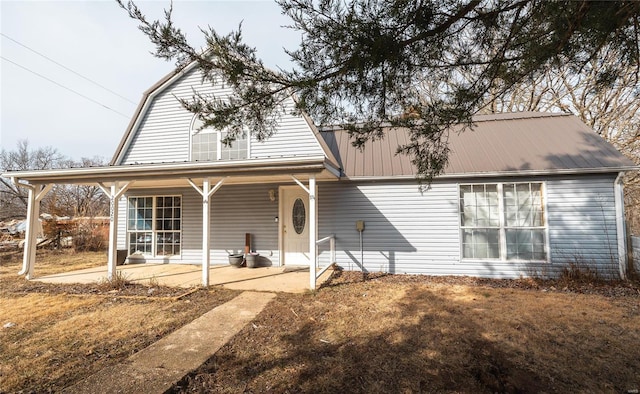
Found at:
[411, 232]
[406, 231]
[294, 137]
[163, 133]
[122, 224]
[582, 222]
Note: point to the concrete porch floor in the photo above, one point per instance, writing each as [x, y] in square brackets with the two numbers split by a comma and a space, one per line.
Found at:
[275, 279]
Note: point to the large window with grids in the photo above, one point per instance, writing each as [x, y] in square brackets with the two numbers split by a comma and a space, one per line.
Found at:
[503, 221]
[208, 144]
[153, 225]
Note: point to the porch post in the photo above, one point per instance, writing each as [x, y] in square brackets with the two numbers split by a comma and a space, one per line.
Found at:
[113, 232]
[29, 230]
[206, 232]
[313, 231]
[36, 194]
[206, 192]
[114, 193]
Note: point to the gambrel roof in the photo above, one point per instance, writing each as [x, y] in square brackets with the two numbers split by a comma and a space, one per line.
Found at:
[153, 111]
[525, 143]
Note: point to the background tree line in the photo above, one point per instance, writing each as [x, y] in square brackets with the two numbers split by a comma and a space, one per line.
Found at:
[611, 109]
[62, 200]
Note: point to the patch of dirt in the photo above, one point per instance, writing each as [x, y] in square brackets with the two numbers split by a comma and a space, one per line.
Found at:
[607, 288]
[127, 290]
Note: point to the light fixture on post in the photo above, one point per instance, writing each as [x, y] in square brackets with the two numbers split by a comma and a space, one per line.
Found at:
[272, 195]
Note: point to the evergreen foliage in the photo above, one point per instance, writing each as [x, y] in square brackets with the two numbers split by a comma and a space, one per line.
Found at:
[424, 64]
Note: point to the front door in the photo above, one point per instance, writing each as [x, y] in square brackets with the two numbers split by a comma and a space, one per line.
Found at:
[295, 226]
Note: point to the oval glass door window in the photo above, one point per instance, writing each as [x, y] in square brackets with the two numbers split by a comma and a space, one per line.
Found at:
[299, 216]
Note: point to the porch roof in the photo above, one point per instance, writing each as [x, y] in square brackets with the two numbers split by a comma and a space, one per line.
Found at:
[243, 171]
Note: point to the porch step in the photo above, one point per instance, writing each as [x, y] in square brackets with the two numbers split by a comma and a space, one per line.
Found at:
[159, 366]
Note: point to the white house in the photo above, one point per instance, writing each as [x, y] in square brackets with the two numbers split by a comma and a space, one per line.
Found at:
[524, 193]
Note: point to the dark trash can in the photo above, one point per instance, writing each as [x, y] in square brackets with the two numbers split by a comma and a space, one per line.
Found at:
[121, 256]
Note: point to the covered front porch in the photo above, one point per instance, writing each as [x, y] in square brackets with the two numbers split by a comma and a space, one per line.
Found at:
[194, 185]
[272, 279]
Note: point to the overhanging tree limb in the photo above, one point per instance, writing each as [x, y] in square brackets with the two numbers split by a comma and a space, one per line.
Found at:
[360, 63]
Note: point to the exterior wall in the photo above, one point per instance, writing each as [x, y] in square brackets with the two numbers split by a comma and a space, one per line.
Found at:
[582, 222]
[241, 209]
[410, 232]
[163, 133]
[235, 210]
[293, 138]
[406, 231]
[122, 224]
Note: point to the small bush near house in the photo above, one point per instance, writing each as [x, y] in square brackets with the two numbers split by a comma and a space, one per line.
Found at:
[578, 272]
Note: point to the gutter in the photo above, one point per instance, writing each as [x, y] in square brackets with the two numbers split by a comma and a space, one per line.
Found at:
[620, 225]
[500, 174]
[174, 170]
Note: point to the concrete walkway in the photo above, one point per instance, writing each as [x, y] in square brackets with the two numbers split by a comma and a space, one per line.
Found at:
[156, 368]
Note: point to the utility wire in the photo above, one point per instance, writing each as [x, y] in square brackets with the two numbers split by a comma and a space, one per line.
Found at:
[67, 68]
[64, 87]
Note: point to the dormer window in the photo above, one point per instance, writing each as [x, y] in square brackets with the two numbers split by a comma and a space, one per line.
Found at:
[207, 145]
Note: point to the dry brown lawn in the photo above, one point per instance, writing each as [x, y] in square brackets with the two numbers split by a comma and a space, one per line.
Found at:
[388, 333]
[63, 333]
[411, 334]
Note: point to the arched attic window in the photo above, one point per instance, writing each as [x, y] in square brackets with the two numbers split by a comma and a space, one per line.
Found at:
[206, 144]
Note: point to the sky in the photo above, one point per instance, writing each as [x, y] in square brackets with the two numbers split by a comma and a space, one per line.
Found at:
[96, 39]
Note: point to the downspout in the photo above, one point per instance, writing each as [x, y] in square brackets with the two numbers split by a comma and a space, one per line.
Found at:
[620, 225]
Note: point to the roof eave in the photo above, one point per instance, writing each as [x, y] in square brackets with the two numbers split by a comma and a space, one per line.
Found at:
[175, 170]
[497, 174]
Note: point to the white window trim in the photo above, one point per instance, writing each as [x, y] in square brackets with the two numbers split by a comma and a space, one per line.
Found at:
[220, 145]
[154, 230]
[503, 228]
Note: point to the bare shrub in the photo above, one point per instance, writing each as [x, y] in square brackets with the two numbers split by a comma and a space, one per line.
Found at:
[154, 282]
[579, 272]
[89, 237]
[118, 281]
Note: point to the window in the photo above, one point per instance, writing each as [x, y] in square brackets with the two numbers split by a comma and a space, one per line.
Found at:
[502, 221]
[298, 216]
[153, 225]
[207, 144]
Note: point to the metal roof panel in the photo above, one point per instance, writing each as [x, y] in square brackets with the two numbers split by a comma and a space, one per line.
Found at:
[501, 143]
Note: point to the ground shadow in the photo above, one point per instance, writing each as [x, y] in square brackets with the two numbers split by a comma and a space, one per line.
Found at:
[432, 350]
